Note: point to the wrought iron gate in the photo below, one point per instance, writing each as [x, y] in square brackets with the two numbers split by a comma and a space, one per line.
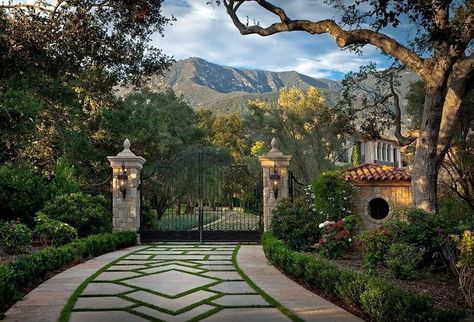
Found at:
[201, 195]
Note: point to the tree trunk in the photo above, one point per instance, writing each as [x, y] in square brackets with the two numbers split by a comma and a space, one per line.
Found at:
[426, 167]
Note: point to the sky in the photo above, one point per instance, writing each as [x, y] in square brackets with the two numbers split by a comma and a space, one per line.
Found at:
[207, 32]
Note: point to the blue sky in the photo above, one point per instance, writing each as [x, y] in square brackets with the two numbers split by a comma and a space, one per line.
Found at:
[207, 32]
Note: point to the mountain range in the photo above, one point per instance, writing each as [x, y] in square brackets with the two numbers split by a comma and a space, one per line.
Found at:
[224, 89]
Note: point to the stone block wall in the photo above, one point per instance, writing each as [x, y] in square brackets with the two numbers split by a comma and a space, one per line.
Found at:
[396, 194]
[126, 212]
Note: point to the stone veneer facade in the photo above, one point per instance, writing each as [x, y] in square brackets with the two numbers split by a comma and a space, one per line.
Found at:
[126, 211]
[268, 161]
[396, 194]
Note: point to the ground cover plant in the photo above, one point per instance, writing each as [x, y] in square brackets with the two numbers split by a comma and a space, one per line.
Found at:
[26, 272]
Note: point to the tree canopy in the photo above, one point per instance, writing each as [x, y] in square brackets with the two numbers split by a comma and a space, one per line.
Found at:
[440, 53]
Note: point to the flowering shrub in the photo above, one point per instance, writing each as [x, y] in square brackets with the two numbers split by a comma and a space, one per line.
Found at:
[51, 232]
[295, 223]
[375, 245]
[336, 237]
[332, 195]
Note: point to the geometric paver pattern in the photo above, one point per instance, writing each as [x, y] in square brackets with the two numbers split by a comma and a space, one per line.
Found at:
[174, 282]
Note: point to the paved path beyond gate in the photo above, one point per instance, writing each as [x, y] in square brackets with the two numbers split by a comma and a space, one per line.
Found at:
[185, 282]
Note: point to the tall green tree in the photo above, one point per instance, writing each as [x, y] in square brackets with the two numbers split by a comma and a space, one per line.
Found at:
[225, 131]
[439, 52]
[159, 125]
[59, 63]
[307, 128]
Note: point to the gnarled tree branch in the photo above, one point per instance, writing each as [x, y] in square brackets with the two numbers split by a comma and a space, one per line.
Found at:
[344, 38]
[402, 140]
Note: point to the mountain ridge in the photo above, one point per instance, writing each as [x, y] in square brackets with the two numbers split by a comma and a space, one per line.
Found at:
[205, 84]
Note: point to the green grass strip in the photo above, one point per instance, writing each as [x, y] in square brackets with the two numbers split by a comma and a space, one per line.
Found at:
[66, 311]
[261, 292]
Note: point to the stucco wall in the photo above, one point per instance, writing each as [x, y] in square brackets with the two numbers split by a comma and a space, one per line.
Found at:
[396, 194]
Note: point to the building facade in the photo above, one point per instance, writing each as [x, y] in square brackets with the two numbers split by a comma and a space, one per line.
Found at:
[383, 151]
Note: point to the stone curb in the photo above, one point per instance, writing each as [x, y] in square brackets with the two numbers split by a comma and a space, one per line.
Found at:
[305, 304]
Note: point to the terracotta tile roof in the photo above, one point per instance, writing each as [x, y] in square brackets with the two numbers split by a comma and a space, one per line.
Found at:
[377, 172]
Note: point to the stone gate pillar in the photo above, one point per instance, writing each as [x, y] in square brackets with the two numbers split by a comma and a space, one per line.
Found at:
[268, 162]
[126, 210]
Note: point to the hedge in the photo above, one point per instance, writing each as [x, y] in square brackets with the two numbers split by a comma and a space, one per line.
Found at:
[20, 276]
[378, 297]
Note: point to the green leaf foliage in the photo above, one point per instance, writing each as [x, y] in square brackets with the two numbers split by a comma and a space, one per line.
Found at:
[88, 214]
[332, 195]
[296, 223]
[377, 297]
[19, 277]
[22, 192]
[14, 237]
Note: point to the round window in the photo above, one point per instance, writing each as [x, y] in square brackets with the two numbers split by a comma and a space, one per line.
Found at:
[378, 208]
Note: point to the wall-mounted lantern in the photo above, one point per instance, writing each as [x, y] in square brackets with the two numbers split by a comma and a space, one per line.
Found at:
[123, 181]
[275, 179]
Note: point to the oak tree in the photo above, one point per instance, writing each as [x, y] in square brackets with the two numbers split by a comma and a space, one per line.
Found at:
[439, 53]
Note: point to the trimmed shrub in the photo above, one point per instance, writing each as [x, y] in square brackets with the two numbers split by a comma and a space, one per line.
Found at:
[51, 232]
[88, 214]
[14, 237]
[23, 192]
[296, 224]
[378, 297]
[350, 286]
[403, 259]
[332, 195]
[20, 276]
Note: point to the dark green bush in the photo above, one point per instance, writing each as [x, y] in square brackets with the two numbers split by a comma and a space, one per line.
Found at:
[375, 245]
[350, 286]
[376, 296]
[20, 276]
[403, 259]
[332, 195]
[455, 213]
[64, 180]
[296, 224]
[52, 232]
[23, 192]
[424, 230]
[88, 214]
[14, 237]
[149, 215]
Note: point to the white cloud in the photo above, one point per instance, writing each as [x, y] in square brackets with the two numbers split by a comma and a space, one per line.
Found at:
[207, 32]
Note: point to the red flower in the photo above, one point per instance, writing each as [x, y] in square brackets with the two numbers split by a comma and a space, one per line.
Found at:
[340, 223]
[341, 234]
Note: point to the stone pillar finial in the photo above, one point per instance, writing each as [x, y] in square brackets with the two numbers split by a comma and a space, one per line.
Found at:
[126, 144]
[268, 161]
[274, 144]
[126, 211]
